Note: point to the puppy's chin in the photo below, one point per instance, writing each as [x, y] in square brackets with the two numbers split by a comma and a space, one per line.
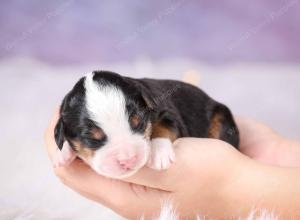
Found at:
[108, 167]
[117, 173]
[120, 175]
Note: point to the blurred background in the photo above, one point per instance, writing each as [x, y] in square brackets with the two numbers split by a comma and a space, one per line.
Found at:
[244, 54]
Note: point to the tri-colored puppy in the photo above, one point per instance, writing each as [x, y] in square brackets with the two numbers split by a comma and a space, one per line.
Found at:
[118, 124]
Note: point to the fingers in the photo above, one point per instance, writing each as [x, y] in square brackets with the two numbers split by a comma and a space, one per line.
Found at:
[192, 155]
[51, 145]
[160, 179]
[65, 156]
[253, 133]
[114, 194]
[152, 178]
[248, 126]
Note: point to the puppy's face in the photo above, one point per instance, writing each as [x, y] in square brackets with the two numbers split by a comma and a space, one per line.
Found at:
[107, 122]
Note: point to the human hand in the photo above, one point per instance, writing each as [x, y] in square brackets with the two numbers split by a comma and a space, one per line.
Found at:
[203, 167]
[206, 178]
[262, 143]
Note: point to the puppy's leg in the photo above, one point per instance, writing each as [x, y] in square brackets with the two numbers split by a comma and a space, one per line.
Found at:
[64, 156]
[222, 125]
[162, 154]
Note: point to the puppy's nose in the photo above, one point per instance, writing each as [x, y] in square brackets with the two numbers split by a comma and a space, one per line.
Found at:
[128, 163]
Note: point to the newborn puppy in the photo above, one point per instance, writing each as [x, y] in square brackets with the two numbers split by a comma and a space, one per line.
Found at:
[118, 124]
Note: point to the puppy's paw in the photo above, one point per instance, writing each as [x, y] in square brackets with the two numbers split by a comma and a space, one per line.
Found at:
[162, 154]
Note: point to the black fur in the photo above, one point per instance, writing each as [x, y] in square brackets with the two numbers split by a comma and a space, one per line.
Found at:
[189, 110]
[74, 123]
[183, 108]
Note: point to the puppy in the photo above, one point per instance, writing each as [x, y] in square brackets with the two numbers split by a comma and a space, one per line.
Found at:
[118, 124]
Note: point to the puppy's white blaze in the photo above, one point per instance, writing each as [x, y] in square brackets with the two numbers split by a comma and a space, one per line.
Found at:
[106, 106]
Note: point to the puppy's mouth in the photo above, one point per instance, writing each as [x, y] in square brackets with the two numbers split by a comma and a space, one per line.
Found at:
[105, 162]
[119, 173]
[112, 168]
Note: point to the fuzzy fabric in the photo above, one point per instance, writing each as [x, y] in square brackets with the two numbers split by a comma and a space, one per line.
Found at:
[169, 213]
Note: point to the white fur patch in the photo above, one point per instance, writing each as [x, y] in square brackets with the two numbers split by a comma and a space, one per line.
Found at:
[162, 154]
[169, 213]
[106, 106]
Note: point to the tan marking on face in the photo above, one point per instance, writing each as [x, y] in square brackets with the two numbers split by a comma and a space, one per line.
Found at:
[160, 131]
[135, 120]
[83, 152]
[97, 133]
[215, 126]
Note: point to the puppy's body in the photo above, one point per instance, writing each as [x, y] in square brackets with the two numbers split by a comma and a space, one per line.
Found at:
[189, 112]
[118, 124]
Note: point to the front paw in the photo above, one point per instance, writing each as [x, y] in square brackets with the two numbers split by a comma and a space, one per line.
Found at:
[162, 154]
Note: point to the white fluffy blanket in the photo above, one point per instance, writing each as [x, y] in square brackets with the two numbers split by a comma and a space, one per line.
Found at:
[168, 213]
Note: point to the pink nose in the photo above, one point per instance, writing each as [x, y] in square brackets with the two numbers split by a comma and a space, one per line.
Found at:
[128, 163]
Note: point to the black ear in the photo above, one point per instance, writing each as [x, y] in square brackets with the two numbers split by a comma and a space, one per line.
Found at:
[149, 101]
[59, 134]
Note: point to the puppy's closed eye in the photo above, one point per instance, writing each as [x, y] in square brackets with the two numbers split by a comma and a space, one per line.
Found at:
[94, 139]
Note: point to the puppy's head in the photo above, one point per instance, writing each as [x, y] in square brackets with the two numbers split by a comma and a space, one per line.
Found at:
[107, 121]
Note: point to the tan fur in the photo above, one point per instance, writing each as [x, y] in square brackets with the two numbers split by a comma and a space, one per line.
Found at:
[215, 126]
[135, 120]
[160, 131]
[82, 151]
[97, 133]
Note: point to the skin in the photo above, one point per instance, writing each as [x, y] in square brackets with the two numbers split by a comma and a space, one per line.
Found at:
[209, 177]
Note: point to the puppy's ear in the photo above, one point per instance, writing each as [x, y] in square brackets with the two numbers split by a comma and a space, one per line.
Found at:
[59, 133]
[149, 101]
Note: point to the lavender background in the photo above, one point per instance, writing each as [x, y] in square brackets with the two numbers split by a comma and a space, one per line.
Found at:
[77, 32]
[245, 54]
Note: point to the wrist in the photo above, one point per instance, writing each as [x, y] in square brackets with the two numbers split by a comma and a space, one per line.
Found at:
[261, 187]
